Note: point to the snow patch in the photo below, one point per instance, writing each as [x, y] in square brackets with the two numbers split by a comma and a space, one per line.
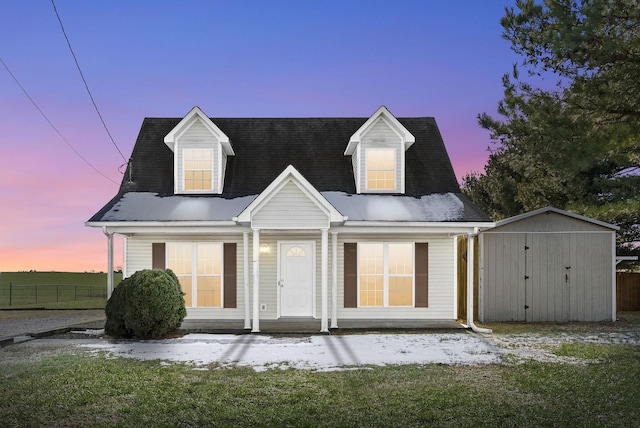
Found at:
[89, 332]
[322, 353]
[146, 206]
[436, 207]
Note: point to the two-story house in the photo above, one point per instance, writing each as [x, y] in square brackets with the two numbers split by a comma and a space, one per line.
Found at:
[319, 218]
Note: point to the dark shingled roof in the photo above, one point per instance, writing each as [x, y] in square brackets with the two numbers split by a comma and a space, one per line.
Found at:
[314, 146]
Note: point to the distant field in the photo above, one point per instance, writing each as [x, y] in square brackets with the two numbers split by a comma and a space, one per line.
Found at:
[54, 290]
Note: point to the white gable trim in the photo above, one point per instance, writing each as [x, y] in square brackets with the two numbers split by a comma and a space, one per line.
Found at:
[193, 115]
[384, 114]
[557, 211]
[290, 174]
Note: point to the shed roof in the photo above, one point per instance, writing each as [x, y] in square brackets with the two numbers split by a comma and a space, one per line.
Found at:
[544, 210]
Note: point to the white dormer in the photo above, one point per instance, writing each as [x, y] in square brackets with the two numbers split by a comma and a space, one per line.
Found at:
[377, 151]
[200, 151]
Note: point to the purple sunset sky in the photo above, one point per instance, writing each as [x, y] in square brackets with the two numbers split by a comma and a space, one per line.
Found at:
[159, 58]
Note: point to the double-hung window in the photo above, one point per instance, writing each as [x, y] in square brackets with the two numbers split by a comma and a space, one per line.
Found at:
[385, 274]
[197, 169]
[198, 266]
[381, 169]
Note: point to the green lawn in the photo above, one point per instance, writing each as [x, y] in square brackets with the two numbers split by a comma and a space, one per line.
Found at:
[53, 389]
[53, 290]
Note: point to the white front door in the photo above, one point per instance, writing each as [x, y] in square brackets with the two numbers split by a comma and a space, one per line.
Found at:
[296, 278]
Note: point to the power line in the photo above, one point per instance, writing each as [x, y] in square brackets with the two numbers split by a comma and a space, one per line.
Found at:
[85, 82]
[52, 125]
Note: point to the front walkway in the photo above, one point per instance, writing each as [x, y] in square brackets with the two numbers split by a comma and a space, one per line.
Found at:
[312, 326]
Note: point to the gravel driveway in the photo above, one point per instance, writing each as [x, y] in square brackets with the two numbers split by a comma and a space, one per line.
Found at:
[25, 323]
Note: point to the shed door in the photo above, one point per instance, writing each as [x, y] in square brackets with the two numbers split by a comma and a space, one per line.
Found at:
[296, 279]
[548, 276]
[504, 276]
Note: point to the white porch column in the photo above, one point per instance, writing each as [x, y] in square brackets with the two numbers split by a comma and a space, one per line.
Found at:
[334, 279]
[324, 324]
[470, 275]
[454, 302]
[247, 309]
[480, 314]
[109, 261]
[256, 281]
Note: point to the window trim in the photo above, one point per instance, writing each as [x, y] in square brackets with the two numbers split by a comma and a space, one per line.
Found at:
[386, 275]
[194, 271]
[183, 170]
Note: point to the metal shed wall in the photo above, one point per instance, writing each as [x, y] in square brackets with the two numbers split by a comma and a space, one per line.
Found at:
[548, 267]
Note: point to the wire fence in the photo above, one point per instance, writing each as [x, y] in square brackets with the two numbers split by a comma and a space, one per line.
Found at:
[29, 294]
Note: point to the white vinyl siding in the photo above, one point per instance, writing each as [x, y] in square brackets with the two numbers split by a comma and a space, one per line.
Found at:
[381, 135]
[138, 255]
[290, 208]
[268, 277]
[218, 183]
[355, 162]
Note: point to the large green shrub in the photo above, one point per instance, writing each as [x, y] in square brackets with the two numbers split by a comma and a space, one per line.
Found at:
[115, 312]
[147, 305]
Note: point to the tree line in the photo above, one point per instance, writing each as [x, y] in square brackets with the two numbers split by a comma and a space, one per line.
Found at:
[568, 130]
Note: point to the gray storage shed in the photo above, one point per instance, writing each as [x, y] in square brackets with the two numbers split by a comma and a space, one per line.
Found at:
[548, 265]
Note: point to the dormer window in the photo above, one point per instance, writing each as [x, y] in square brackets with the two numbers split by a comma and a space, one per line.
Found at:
[377, 151]
[197, 169]
[200, 151]
[381, 170]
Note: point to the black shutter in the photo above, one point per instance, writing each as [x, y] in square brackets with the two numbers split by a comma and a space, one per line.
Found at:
[158, 255]
[422, 275]
[350, 275]
[230, 275]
